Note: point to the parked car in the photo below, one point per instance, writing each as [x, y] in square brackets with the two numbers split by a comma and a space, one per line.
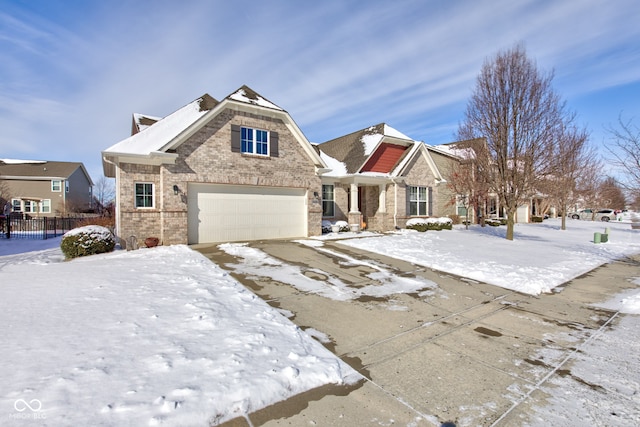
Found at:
[600, 215]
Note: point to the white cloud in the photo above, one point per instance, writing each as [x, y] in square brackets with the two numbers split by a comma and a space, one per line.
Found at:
[336, 66]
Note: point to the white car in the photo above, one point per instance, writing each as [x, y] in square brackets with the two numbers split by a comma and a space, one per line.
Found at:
[600, 215]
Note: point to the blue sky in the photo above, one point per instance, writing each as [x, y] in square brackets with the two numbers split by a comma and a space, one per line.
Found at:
[73, 72]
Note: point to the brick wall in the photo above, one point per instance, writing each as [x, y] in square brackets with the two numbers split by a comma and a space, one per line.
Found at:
[206, 157]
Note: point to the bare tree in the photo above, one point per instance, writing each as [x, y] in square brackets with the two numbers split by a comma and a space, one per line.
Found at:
[625, 151]
[104, 193]
[466, 178]
[572, 157]
[610, 194]
[516, 109]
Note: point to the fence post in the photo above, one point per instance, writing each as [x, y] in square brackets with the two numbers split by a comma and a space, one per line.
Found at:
[8, 226]
[44, 227]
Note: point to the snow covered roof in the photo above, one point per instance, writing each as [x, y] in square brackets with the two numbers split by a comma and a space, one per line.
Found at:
[142, 121]
[17, 161]
[154, 138]
[249, 96]
[337, 167]
[460, 149]
[354, 149]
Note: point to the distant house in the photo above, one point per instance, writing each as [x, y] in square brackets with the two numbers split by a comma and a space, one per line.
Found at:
[45, 188]
[216, 171]
[379, 178]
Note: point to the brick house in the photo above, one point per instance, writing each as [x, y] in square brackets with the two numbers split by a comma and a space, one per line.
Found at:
[44, 188]
[216, 171]
[379, 178]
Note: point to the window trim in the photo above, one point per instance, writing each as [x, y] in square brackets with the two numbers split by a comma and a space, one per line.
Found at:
[418, 201]
[332, 201]
[144, 195]
[254, 141]
[44, 203]
[53, 189]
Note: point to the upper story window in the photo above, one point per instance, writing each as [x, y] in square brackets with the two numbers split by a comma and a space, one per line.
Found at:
[66, 186]
[56, 185]
[144, 195]
[254, 141]
[328, 201]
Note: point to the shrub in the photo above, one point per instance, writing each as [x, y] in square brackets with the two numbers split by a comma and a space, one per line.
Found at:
[88, 240]
[536, 219]
[424, 224]
[344, 226]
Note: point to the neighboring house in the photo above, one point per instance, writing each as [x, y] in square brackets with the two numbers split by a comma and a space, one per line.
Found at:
[448, 158]
[45, 188]
[216, 171]
[379, 178]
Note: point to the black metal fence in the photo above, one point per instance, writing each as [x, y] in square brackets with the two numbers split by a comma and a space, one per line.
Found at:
[19, 227]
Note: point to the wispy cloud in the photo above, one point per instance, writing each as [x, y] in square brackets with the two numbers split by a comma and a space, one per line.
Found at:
[73, 74]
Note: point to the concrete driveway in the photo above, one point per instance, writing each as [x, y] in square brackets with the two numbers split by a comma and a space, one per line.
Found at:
[462, 351]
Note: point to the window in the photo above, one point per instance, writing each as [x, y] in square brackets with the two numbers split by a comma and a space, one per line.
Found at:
[66, 186]
[30, 206]
[254, 141]
[417, 201]
[45, 207]
[16, 205]
[56, 185]
[144, 195]
[328, 205]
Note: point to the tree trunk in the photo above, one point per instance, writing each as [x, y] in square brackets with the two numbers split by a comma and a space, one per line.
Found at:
[510, 224]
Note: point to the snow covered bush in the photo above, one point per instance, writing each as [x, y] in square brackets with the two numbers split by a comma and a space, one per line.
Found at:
[88, 240]
[326, 226]
[495, 222]
[344, 225]
[424, 224]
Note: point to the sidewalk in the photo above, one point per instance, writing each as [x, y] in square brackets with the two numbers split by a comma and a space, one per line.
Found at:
[465, 352]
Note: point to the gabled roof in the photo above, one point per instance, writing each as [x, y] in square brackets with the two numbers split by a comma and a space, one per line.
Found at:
[354, 149]
[154, 144]
[248, 95]
[39, 169]
[141, 122]
[461, 150]
[154, 137]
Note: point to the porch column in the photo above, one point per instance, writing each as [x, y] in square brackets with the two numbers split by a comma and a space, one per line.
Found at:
[354, 198]
[382, 198]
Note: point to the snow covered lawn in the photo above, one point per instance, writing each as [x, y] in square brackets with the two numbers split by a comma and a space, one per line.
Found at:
[541, 256]
[141, 338]
[163, 336]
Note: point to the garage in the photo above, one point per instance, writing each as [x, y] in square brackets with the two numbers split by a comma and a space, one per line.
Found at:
[231, 213]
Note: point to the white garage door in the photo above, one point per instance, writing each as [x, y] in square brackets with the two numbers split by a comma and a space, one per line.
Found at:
[228, 213]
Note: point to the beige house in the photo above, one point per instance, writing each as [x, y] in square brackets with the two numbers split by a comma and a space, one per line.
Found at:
[379, 178]
[44, 188]
[216, 171]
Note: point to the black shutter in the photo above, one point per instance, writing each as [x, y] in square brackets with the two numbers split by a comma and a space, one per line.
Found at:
[273, 144]
[430, 200]
[235, 139]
